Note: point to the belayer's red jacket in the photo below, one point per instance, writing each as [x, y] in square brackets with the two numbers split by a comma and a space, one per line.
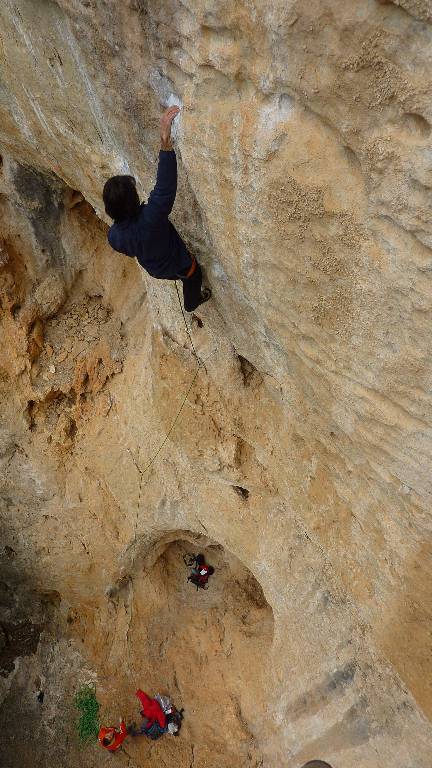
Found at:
[151, 709]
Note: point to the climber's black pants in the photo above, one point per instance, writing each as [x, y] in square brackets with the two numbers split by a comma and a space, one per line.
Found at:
[192, 289]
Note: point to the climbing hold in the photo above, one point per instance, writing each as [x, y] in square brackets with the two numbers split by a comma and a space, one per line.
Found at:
[243, 492]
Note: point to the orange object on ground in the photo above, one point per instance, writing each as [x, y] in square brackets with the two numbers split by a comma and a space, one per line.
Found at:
[119, 736]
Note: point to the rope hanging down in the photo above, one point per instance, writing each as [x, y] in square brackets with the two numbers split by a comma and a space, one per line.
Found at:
[142, 472]
[200, 364]
[153, 459]
[198, 359]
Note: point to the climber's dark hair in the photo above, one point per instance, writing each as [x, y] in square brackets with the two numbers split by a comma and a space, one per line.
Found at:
[121, 197]
[210, 570]
[106, 741]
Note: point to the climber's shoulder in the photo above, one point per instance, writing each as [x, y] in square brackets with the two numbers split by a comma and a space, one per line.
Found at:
[126, 236]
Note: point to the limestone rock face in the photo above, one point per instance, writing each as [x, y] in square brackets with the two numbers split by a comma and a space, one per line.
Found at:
[296, 454]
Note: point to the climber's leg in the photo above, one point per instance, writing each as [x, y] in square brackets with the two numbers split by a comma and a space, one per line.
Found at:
[193, 296]
[192, 290]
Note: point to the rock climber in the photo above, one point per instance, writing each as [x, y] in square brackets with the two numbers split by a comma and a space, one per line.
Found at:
[159, 717]
[112, 738]
[144, 231]
[201, 572]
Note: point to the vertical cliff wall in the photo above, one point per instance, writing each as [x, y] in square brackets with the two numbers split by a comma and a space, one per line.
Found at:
[301, 459]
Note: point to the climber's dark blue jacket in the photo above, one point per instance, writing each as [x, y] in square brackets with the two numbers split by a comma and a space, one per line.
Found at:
[149, 235]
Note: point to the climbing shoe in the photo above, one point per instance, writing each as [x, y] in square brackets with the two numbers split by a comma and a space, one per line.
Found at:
[205, 295]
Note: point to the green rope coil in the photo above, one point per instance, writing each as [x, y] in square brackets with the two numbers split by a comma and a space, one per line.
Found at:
[88, 723]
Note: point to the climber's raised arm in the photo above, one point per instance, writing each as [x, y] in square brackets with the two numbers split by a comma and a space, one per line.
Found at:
[161, 199]
[144, 231]
[165, 128]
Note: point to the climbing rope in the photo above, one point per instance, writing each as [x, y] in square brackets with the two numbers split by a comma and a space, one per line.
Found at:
[201, 364]
[142, 472]
[198, 359]
[153, 459]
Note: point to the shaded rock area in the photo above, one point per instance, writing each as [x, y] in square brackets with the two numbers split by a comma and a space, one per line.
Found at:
[297, 456]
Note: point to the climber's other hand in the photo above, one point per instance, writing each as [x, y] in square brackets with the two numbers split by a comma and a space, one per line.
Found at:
[165, 126]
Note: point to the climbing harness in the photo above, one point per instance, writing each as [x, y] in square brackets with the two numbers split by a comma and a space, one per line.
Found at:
[192, 268]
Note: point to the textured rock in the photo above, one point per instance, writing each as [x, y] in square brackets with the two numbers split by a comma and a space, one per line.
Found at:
[304, 447]
[49, 296]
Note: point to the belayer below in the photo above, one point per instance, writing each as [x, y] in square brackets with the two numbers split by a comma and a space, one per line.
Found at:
[112, 738]
[201, 572]
[159, 717]
[144, 231]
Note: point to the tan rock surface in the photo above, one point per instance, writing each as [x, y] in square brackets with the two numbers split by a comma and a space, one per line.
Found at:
[301, 460]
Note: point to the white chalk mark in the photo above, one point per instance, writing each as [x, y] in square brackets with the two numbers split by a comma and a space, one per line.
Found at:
[38, 112]
[164, 91]
[22, 32]
[21, 121]
[92, 100]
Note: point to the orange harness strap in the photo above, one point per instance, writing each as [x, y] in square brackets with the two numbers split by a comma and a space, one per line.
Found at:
[192, 268]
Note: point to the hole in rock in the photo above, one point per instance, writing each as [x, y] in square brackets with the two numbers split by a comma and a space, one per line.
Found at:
[19, 639]
[72, 198]
[72, 429]
[243, 492]
[9, 552]
[285, 102]
[207, 649]
[251, 376]
[417, 124]
[352, 157]
[317, 764]
[51, 598]
[29, 414]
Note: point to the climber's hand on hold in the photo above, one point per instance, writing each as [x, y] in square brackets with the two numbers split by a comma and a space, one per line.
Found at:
[165, 127]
